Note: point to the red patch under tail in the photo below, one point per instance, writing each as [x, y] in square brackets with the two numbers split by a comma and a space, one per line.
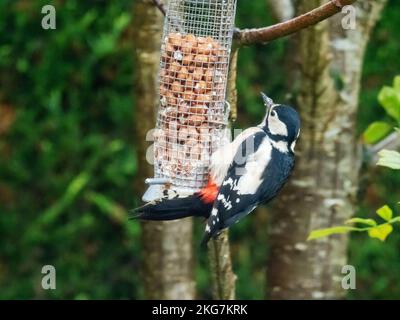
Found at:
[209, 193]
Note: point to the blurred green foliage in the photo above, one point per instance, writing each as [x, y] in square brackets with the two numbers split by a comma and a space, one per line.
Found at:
[67, 157]
[67, 162]
[389, 99]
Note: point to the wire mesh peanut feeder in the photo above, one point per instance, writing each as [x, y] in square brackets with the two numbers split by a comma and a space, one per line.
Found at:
[193, 113]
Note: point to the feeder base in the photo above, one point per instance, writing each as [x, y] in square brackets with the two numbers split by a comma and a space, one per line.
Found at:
[159, 188]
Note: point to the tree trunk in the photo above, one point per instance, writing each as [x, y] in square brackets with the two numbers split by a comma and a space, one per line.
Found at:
[167, 269]
[322, 191]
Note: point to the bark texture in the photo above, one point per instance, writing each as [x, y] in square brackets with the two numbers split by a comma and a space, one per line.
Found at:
[232, 94]
[167, 269]
[322, 192]
[223, 278]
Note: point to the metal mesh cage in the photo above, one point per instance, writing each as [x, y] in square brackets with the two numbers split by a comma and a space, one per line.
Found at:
[192, 115]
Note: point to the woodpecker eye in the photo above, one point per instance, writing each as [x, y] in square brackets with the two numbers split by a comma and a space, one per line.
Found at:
[273, 113]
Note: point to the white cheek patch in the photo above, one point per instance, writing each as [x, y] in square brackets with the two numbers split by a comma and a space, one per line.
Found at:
[280, 145]
[277, 127]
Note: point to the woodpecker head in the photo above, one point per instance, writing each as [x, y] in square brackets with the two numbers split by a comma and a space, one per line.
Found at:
[282, 123]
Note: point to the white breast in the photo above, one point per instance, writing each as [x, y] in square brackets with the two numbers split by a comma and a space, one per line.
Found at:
[223, 157]
[256, 163]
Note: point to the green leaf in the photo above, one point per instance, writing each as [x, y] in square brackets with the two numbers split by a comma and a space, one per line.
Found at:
[389, 98]
[104, 45]
[394, 220]
[385, 213]
[107, 205]
[377, 131]
[369, 222]
[121, 22]
[380, 232]
[321, 233]
[70, 195]
[396, 83]
[390, 159]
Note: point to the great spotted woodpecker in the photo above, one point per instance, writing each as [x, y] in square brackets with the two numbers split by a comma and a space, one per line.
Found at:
[243, 174]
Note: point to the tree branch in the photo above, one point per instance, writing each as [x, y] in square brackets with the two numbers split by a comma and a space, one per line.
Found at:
[262, 35]
[391, 142]
[160, 6]
[283, 29]
[223, 277]
[232, 87]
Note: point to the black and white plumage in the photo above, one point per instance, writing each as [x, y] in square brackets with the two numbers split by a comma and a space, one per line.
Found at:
[249, 171]
[256, 176]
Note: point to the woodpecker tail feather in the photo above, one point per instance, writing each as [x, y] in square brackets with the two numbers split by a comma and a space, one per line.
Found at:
[204, 241]
[172, 209]
[210, 233]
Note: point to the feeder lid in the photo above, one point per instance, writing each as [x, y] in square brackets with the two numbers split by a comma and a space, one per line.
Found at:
[152, 193]
[160, 187]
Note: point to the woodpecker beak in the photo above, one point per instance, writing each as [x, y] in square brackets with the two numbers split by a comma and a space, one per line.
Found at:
[267, 102]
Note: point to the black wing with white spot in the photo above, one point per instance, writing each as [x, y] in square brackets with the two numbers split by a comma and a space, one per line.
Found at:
[230, 203]
[255, 176]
